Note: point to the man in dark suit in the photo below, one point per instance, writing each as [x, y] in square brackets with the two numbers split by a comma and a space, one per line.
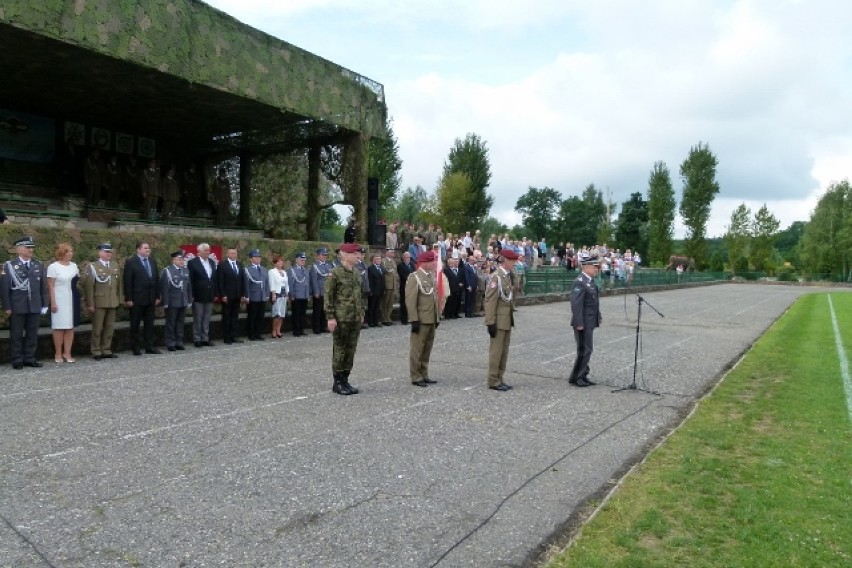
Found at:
[141, 295]
[456, 289]
[202, 275]
[404, 268]
[470, 279]
[376, 278]
[585, 317]
[231, 288]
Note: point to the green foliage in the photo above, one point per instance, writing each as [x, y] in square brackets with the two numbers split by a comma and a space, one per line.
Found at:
[454, 196]
[278, 194]
[661, 214]
[740, 264]
[826, 245]
[787, 241]
[581, 218]
[631, 227]
[739, 235]
[411, 205]
[538, 209]
[491, 226]
[765, 230]
[384, 164]
[470, 156]
[700, 187]
[717, 261]
[203, 46]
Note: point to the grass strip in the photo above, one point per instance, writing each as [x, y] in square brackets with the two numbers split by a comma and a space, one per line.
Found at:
[758, 476]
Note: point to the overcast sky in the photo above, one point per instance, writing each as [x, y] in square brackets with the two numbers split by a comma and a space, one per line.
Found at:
[572, 92]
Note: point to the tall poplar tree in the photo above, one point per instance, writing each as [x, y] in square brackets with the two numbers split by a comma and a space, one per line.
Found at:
[764, 232]
[738, 235]
[661, 214]
[700, 187]
[470, 157]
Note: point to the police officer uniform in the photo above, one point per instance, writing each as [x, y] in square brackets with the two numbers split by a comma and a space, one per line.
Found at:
[256, 285]
[585, 317]
[499, 319]
[176, 295]
[102, 289]
[23, 291]
[343, 305]
[300, 291]
[319, 271]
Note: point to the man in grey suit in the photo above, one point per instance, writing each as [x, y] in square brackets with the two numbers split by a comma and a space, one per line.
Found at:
[256, 286]
[176, 295]
[202, 275]
[585, 317]
[23, 291]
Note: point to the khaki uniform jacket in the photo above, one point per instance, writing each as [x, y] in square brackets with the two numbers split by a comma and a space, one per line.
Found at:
[102, 286]
[499, 301]
[391, 276]
[421, 297]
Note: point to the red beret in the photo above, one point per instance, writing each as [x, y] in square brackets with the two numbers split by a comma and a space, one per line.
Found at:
[350, 247]
[509, 254]
[427, 256]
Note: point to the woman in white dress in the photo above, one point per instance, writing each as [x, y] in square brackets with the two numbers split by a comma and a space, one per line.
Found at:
[62, 277]
[279, 290]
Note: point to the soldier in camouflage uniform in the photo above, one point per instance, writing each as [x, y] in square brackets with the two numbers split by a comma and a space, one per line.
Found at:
[344, 309]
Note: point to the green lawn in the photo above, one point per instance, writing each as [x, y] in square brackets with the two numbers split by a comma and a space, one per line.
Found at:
[760, 474]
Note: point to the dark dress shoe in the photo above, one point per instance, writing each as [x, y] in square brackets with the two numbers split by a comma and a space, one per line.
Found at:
[582, 383]
[170, 348]
[590, 381]
[429, 381]
[503, 387]
[208, 344]
[236, 341]
[17, 365]
[180, 347]
[199, 344]
[137, 352]
[420, 383]
[153, 351]
[97, 357]
[110, 356]
[228, 341]
[387, 323]
[33, 364]
[259, 338]
[572, 381]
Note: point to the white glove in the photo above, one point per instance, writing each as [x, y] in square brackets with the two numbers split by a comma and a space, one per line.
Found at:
[44, 310]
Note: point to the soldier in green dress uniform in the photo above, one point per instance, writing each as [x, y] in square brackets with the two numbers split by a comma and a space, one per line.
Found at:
[103, 292]
[499, 319]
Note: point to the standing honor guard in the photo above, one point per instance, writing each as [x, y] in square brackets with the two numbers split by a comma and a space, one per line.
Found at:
[256, 285]
[585, 317]
[344, 308]
[103, 294]
[391, 285]
[23, 291]
[176, 292]
[300, 291]
[423, 305]
[320, 270]
[499, 318]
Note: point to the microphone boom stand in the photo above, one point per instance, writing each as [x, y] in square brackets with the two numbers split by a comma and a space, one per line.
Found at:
[632, 385]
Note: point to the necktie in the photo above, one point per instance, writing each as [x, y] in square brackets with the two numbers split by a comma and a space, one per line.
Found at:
[257, 268]
[147, 266]
[27, 265]
[234, 266]
[107, 264]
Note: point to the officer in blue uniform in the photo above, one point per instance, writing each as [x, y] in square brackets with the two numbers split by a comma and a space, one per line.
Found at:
[320, 270]
[300, 291]
[585, 317]
[256, 285]
[176, 296]
[23, 292]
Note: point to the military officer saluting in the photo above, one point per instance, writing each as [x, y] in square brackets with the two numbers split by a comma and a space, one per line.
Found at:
[343, 305]
[585, 317]
[103, 294]
[176, 295]
[23, 291]
[499, 318]
[320, 270]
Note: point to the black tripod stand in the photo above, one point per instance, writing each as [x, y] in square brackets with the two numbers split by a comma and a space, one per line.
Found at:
[632, 385]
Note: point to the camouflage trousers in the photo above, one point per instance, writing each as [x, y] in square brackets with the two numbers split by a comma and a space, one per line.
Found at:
[344, 342]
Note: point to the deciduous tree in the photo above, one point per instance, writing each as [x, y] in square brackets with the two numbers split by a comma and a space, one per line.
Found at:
[661, 214]
[539, 209]
[700, 187]
[738, 235]
[631, 227]
[764, 231]
[470, 156]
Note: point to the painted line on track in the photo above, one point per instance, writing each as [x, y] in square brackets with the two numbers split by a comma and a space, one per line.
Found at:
[844, 362]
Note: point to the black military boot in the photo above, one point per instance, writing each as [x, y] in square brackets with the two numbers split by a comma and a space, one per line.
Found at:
[340, 386]
[352, 389]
